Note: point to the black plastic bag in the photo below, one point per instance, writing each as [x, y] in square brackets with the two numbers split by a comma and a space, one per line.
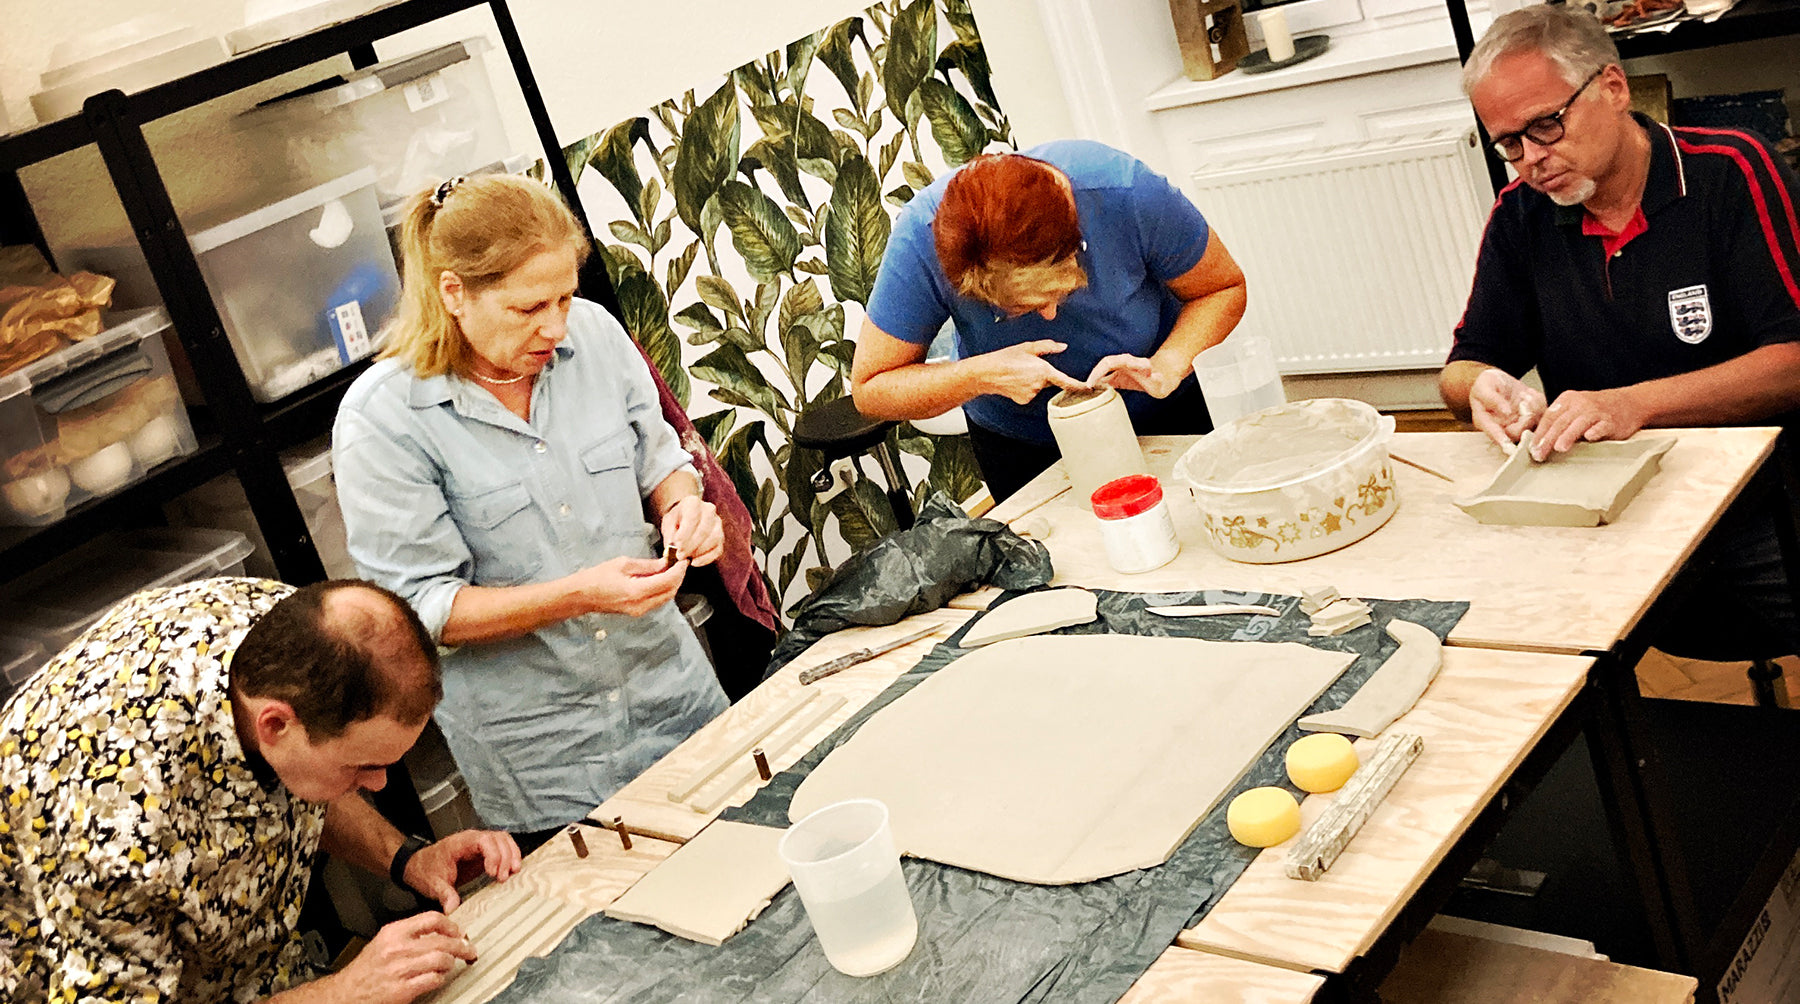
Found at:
[911, 571]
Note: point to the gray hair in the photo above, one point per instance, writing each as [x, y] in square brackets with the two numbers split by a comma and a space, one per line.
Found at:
[1567, 35]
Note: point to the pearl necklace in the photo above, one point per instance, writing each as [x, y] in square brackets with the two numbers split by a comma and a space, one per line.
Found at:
[497, 382]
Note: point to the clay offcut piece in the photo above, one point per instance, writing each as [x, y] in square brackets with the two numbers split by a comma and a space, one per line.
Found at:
[1033, 613]
[1214, 610]
[1391, 690]
[710, 888]
[1586, 486]
[1070, 758]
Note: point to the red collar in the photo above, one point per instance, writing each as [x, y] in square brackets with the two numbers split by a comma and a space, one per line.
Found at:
[1610, 241]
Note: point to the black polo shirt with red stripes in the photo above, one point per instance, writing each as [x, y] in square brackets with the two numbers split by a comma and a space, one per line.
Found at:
[1709, 270]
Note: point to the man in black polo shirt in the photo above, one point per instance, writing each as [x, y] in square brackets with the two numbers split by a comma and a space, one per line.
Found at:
[1650, 275]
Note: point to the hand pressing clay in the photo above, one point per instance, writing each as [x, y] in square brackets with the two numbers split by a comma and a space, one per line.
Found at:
[1391, 691]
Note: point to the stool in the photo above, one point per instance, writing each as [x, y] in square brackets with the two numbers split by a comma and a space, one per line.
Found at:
[838, 430]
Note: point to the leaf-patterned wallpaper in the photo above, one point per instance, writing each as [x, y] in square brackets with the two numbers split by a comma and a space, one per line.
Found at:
[747, 227]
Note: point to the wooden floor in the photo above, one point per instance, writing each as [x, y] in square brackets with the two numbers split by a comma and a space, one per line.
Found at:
[1662, 675]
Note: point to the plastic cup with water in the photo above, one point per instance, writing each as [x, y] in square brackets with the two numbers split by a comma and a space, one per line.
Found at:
[1238, 376]
[844, 865]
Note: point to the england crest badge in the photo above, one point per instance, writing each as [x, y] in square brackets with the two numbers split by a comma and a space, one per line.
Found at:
[1690, 313]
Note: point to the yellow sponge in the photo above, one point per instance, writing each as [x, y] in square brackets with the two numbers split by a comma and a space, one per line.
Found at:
[1321, 762]
[1263, 817]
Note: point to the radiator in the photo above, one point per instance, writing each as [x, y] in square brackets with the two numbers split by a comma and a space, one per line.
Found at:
[1359, 257]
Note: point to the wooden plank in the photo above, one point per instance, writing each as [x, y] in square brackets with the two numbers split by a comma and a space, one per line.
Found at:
[1444, 968]
[1312, 852]
[1547, 589]
[1183, 975]
[1485, 711]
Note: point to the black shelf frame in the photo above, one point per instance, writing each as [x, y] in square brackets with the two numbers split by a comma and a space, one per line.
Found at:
[250, 434]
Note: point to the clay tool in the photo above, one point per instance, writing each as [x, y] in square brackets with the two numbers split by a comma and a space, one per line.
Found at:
[762, 764]
[1213, 610]
[669, 557]
[642, 831]
[1418, 466]
[746, 772]
[1319, 846]
[862, 655]
[575, 838]
[740, 749]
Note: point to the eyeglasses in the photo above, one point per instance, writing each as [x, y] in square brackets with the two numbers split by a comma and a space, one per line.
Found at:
[1544, 130]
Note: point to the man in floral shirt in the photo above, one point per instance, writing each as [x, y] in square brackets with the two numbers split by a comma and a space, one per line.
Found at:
[167, 781]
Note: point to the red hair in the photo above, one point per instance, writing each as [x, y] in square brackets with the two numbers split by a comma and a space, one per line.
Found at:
[1005, 210]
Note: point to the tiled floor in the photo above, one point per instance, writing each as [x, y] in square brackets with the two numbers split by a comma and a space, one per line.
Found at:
[1661, 675]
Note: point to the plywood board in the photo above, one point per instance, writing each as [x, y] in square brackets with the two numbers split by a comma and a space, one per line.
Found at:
[1537, 588]
[710, 888]
[1485, 711]
[1443, 968]
[1067, 759]
[1183, 975]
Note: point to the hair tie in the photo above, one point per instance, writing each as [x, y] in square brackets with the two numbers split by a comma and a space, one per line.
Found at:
[444, 190]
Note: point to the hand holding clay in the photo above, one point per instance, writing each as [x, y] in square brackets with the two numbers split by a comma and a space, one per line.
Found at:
[1020, 373]
[1591, 415]
[629, 586]
[1128, 372]
[1503, 407]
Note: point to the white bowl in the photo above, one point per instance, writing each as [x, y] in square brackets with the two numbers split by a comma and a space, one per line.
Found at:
[1293, 481]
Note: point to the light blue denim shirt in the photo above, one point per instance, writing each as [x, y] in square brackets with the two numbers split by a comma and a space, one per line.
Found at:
[442, 487]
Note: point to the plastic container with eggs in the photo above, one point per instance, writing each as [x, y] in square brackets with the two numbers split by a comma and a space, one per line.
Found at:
[89, 420]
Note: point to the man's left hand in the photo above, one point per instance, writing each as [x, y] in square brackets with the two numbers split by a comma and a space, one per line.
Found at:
[1590, 415]
[1128, 372]
[693, 528]
[437, 869]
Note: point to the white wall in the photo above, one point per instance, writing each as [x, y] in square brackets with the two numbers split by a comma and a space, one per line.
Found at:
[596, 62]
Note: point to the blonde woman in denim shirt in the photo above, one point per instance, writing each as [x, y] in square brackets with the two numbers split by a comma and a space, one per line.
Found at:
[506, 468]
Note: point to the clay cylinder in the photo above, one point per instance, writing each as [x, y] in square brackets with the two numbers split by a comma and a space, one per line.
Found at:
[1094, 433]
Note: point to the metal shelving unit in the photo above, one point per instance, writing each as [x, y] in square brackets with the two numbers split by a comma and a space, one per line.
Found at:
[247, 437]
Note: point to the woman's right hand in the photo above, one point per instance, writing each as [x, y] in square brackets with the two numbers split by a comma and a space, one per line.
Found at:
[630, 586]
[1019, 372]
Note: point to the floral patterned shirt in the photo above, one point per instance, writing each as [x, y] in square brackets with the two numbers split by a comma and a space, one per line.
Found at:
[141, 858]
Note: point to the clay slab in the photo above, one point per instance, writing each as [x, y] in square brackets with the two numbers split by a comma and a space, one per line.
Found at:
[1586, 486]
[1070, 758]
[1033, 613]
[710, 888]
[1391, 690]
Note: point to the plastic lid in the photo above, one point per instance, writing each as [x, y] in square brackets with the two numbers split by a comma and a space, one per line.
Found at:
[123, 330]
[1283, 445]
[294, 205]
[1127, 496]
[62, 598]
[372, 80]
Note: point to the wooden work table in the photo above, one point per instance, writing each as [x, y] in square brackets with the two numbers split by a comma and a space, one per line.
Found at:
[1539, 597]
[1546, 589]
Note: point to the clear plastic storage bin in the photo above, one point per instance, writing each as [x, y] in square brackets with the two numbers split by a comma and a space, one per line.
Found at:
[53, 604]
[88, 420]
[19, 658]
[221, 503]
[416, 120]
[303, 285]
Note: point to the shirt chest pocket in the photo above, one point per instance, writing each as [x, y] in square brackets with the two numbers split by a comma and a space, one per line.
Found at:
[609, 464]
[501, 530]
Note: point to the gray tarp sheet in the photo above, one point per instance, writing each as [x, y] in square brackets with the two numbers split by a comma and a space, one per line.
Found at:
[981, 938]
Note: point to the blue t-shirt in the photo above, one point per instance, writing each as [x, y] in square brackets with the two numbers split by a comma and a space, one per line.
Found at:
[1140, 233]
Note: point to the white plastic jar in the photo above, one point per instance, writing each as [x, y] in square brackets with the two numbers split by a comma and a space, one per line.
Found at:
[1135, 524]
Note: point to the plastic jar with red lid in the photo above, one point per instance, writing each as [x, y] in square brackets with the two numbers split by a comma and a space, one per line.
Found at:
[1135, 524]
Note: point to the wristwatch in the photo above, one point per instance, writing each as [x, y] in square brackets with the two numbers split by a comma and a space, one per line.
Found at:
[397, 869]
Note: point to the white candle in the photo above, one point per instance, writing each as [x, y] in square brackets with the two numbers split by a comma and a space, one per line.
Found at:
[1275, 35]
